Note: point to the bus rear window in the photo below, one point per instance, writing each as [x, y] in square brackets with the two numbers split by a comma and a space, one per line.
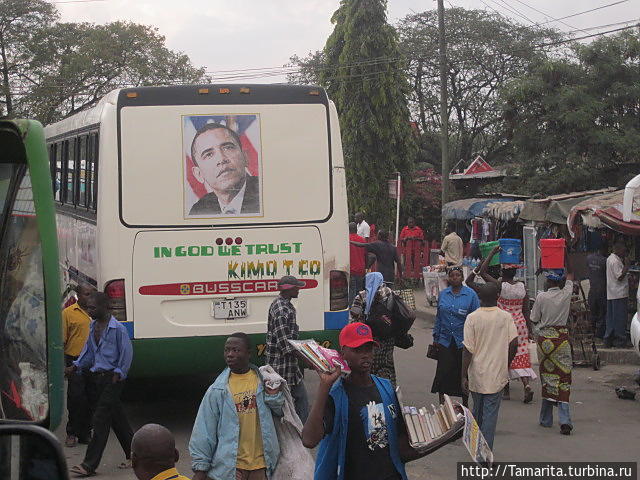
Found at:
[221, 164]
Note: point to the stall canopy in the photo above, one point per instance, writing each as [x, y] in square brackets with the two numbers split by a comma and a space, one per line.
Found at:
[605, 210]
[468, 208]
[555, 209]
[503, 211]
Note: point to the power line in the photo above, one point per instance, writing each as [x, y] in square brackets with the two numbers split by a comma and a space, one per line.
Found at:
[583, 12]
[78, 1]
[546, 14]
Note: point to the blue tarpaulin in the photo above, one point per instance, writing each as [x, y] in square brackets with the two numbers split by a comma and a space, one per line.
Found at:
[468, 208]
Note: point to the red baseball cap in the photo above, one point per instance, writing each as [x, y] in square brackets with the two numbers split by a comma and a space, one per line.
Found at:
[355, 334]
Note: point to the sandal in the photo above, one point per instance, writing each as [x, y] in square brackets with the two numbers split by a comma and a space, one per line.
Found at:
[126, 464]
[81, 472]
[528, 394]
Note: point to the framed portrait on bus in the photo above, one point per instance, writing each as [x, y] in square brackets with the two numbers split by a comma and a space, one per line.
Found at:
[222, 165]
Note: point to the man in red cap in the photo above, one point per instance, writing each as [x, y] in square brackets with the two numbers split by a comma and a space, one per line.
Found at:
[279, 353]
[357, 421]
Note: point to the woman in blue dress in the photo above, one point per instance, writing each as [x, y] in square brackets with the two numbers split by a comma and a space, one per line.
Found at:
[454, 304]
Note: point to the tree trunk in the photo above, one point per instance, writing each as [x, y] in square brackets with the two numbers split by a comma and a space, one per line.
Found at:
[5, 77]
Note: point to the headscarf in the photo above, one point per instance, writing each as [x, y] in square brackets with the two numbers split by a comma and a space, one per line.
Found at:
[555, 275]
[372, 282]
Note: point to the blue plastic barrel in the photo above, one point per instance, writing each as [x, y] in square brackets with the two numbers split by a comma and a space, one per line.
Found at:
[511, 250]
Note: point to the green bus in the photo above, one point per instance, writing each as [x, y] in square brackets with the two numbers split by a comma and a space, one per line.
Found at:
[31, 354]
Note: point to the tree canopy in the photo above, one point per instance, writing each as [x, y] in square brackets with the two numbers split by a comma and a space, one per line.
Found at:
[57, 69]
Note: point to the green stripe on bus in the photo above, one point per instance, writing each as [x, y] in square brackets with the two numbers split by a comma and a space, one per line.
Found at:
[156, 357]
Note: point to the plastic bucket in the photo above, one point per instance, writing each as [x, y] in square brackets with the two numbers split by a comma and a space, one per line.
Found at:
[552, 252]
[485, 250]
[511, 250]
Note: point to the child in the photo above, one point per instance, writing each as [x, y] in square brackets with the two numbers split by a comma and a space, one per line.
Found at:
[357, 421]
[234, 437]
[490, 343]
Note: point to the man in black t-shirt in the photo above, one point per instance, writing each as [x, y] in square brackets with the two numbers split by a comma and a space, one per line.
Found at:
[386, 255]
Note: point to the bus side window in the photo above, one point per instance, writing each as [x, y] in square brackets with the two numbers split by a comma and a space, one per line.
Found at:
[57, 176]
[70, 162]
[82, 171]
[92, 172]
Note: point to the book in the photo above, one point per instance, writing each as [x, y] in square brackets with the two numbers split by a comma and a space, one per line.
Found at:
[423, 424]
[319, 357]
[411, 429]
[449, 410]
[415, 417]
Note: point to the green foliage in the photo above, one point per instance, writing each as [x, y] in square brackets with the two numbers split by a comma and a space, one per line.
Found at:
[74, 64]
[56, 69]
[19, 21]
[370, 95]
[484, 51]
[575, 123]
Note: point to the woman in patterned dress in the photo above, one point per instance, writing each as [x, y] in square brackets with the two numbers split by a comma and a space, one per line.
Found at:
[513, 299]
[375, 291]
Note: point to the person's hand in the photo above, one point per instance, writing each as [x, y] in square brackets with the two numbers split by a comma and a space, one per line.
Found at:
[272, 391]
[116, 378]
[69, 371]
[465, 385]
[327, 379]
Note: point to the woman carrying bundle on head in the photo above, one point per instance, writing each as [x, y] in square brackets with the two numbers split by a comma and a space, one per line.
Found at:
[513, 299]
[454, 304]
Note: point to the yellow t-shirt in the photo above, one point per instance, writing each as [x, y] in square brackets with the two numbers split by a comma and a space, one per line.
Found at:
[250, 451]
[75, 329]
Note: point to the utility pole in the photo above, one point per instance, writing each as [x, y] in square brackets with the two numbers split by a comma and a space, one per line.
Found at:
[444, 116]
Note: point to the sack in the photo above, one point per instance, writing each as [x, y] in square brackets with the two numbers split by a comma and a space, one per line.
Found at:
[404, 341]
[432, 351]
[402, 316]
[380, 321]
[408, 296]
[533, 353]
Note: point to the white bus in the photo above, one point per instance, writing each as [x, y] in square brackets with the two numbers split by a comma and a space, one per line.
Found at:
[185, 204]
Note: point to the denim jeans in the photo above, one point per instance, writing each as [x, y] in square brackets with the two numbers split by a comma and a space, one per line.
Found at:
[617, 313]
[546, 413]
[485, 411]
[356, 285]
[300, 400]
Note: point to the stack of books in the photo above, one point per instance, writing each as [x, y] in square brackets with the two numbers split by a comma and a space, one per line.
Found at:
[426, 426]
[319, 357]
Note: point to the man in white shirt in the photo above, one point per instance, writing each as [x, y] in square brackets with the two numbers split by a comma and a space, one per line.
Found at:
[363, 227]
[617, 296]
[452, 246]
[221, 166]
[490, 344]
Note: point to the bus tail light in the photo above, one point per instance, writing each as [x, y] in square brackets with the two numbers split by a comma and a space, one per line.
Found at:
[338, 290]
[115, 291]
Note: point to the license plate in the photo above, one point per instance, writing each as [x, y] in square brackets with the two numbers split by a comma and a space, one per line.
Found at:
[228, 309]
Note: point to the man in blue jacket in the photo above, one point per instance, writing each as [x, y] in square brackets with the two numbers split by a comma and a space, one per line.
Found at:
[357, 421]
[234, 437]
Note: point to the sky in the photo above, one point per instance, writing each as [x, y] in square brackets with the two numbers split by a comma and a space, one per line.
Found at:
[225, 36]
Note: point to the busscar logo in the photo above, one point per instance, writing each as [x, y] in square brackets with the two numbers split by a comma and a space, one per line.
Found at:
[185, 289]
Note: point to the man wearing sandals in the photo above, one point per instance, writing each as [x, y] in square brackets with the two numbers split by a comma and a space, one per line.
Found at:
[105, 362]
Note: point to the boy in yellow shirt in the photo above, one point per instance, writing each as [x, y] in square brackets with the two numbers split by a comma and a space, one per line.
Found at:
[75, 331]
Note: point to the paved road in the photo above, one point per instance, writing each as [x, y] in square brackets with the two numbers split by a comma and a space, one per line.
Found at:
[606, 428]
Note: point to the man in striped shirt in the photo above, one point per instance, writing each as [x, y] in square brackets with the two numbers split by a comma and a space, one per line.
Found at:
[279, 353]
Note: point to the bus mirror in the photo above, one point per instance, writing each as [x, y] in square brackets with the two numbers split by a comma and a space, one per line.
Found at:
[30, 452]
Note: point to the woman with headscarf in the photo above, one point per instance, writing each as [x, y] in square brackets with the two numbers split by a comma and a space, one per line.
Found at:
[454, 304]
[513, 299]
[376, 292]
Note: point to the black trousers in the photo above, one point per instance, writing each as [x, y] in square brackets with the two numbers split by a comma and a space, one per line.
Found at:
[108, 413]
[598, 312]
[79, 416]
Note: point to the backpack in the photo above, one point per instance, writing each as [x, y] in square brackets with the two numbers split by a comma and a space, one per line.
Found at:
[402, 316]
[380, 319]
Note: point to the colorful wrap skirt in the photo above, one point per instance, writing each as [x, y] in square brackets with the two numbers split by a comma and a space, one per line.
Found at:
[554, 354]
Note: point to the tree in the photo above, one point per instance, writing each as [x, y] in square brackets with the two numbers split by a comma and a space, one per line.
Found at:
[74, 64]
[362, 77]
[484, 51]
[20, 20]
[575, 123]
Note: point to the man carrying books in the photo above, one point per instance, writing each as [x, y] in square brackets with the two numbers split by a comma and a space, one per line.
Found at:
[490, 343]
[234, 435]
[358, 421]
